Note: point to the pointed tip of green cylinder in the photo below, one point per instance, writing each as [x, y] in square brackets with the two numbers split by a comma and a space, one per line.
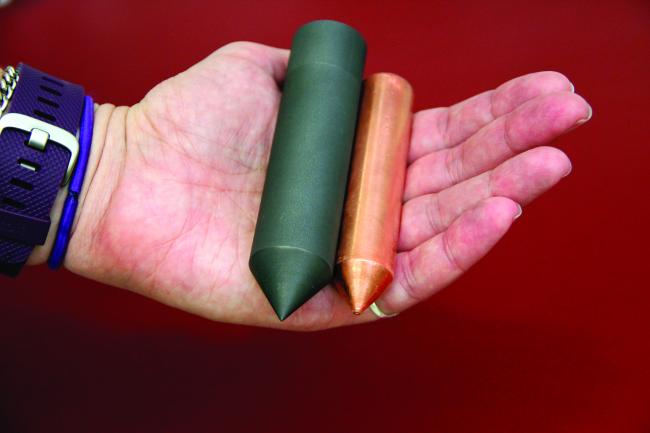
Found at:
[282, 305]
[289, 277]
[285, 295]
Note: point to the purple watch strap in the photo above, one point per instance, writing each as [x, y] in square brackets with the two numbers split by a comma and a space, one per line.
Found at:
[27, 195]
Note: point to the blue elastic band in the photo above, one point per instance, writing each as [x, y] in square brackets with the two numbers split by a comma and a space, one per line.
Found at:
[76, 183]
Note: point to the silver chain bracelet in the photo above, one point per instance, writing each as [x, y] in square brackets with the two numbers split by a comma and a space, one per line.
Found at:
[7, 85]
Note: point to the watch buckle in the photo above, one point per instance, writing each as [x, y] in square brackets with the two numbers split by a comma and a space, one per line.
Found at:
[40, 133]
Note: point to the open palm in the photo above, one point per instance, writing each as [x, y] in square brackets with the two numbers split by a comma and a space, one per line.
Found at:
[170, 210]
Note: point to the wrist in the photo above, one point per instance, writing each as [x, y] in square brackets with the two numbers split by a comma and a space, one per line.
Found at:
[106, 122]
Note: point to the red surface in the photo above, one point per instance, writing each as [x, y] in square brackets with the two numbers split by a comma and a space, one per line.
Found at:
[550, 333]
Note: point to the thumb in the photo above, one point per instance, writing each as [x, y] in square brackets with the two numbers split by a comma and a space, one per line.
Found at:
[271, 59]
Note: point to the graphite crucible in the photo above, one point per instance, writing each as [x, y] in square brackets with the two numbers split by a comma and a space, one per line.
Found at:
[294, 246]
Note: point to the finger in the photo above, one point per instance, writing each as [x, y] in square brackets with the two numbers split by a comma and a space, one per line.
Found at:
[522, 179]
[271, 59]
[436, 263]
[440, 128]
[534, 123]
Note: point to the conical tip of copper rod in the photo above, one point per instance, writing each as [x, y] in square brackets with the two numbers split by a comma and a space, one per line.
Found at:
[363, 281]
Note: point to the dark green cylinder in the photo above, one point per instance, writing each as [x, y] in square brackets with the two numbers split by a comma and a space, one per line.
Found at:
[298, 224]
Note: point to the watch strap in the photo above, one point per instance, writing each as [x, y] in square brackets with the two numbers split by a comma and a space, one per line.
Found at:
[36, 156]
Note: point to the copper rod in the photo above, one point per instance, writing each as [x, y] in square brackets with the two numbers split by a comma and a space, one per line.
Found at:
[367, 248]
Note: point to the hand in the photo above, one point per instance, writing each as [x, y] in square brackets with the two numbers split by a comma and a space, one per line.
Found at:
[174, 185]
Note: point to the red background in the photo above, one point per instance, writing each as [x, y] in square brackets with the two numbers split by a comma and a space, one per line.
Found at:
[547, 334]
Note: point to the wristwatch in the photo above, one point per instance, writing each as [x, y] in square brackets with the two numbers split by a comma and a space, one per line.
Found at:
[39, 148]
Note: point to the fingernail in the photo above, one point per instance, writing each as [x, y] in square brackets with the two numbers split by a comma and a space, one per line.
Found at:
[568, 171]
[519, 212]
[586, 119]
[573, 88]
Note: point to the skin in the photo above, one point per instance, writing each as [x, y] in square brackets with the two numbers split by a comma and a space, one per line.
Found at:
[174, 183]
